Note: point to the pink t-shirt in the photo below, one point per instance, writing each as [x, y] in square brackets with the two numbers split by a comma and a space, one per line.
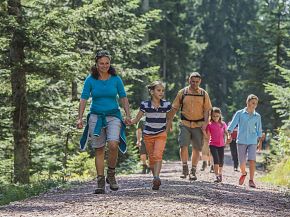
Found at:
[217, 132]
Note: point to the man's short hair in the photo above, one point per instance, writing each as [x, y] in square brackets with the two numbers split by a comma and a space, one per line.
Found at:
[194, 74]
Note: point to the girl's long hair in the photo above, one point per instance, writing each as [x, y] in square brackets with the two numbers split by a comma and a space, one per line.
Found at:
[216, 110]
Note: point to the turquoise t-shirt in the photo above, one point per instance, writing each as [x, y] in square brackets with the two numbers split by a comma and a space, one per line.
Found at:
[104, 93]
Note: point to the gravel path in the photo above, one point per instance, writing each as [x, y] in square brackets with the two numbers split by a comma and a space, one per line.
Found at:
[176, 197]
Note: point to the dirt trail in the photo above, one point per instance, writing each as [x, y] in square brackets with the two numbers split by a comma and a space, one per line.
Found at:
[176, 197]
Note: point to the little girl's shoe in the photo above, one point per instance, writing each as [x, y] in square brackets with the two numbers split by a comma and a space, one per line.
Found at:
[216, 180]
[211, 169]
[220, 177]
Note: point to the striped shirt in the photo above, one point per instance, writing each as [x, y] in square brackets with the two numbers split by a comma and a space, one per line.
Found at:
[155, 121]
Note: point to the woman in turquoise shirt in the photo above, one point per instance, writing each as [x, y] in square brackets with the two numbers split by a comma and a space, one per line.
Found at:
[104, 122]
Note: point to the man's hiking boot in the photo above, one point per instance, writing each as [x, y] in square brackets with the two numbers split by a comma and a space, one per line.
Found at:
[101, 185]
[192, 175]
[204, 165]
[184, 171]
[156, 183]
[111, 179]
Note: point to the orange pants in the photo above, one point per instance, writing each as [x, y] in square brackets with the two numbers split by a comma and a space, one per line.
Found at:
[155, 145]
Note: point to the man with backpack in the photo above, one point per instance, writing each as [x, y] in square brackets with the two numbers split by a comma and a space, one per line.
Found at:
[195, 104]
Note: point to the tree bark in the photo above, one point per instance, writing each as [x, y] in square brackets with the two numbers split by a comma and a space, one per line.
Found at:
[19, 96]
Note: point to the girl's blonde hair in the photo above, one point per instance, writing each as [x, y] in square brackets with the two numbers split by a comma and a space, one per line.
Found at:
[154, 84]
[252, 96]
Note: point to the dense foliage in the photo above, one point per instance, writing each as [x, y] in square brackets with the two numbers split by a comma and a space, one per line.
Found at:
[239, 47]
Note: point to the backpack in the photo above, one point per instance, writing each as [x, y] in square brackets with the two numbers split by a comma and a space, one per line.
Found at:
[184, 94]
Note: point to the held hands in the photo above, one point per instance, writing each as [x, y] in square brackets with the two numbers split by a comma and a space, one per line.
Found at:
[138, 144]
[259, 146]
[229, 140]
[128, 120]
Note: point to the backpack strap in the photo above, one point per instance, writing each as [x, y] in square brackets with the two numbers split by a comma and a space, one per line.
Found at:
[184, 94]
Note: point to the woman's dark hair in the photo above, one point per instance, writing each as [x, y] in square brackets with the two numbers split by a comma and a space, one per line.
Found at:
[99, 55]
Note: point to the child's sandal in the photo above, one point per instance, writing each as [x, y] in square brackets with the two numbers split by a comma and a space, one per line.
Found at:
[242, 179]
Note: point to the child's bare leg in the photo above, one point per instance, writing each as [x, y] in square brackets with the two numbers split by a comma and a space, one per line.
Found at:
[243, 168]
[143, 158]
[252, 164]
[220, 170]
[216, 169]
[157, 168]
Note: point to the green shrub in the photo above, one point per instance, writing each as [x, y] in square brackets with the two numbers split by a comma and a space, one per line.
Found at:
[280, 174]
[14, 192]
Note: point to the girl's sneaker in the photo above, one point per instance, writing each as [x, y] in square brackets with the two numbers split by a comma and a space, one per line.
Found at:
[252, 184]
[211, 169]
[216, 180]
[156, 183]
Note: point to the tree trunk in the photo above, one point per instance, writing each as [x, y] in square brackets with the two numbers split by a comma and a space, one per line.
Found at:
[164, 64]
[19, 98]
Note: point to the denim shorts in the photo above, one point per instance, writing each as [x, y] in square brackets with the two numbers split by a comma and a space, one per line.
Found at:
[110, 133]
[244, 150]
[192, 136]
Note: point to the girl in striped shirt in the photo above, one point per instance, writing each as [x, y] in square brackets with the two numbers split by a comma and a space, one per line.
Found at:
[155, 128]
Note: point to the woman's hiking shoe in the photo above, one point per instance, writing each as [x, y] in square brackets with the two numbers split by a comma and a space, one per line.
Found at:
[111, 179]
[252, 184]
[242, 179]
[184, 171]
[156, 184]
[192, 175]
[101, 185]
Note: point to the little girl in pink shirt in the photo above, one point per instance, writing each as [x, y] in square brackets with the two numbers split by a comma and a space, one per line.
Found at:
[216, 130]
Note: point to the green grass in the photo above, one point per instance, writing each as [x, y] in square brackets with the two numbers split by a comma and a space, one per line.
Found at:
[280, 174]
[14, 192]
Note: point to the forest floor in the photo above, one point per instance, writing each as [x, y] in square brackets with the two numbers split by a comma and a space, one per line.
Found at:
[176, 197]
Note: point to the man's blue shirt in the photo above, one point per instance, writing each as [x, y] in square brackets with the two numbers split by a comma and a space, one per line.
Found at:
[249, 127]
